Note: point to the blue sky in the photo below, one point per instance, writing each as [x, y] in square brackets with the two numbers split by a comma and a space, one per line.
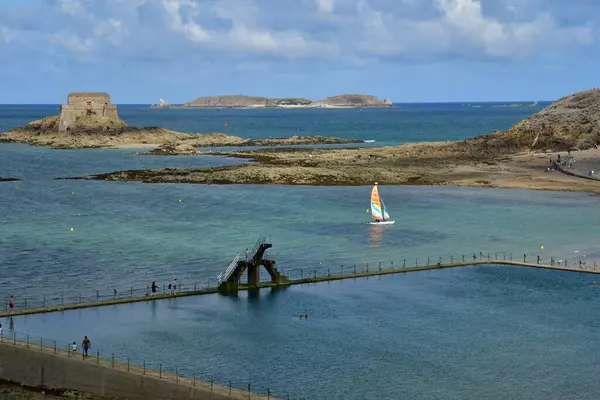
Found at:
[407, 50]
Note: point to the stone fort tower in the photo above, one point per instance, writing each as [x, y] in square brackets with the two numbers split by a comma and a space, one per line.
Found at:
[87, 109]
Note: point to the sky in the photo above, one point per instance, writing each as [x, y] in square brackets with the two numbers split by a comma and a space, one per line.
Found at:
[406, 50]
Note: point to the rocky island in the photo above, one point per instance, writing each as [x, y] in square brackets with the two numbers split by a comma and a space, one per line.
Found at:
[242, 101]
[518, 158]
[89, 120]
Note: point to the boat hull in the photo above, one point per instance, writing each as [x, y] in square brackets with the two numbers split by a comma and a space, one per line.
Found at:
[382, 223]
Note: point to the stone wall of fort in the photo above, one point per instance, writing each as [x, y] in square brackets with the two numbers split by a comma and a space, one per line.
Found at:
[87, 108]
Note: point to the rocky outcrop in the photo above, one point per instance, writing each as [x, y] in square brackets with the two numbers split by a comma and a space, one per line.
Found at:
[573, 122]
[242, 101]
[113, 133]
[192, 146]
[45, 132]
[270, 174]
[13, 391]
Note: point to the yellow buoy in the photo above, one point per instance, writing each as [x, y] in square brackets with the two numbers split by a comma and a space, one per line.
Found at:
[72, 229]
[180, 200]
[72, 192]
[542, 247]
[367, 210]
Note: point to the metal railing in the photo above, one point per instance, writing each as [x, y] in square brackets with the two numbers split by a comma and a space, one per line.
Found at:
[180, 374]
[210, 285]
[223, 276]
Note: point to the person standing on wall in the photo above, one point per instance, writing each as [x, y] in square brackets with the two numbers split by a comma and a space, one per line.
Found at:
[86, 344]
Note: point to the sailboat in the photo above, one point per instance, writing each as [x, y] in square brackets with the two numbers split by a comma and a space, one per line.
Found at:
[377, 206]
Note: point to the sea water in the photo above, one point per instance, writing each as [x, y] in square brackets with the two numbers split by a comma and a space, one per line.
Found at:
[485, 332]
[415, 336]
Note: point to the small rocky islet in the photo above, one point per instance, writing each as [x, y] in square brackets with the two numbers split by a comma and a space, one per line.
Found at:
[515, 158]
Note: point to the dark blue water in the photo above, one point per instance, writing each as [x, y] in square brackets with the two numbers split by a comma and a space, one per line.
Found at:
[405, 123]
[487, 332]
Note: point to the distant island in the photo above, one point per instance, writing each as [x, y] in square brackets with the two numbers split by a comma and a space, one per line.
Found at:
[243, 101]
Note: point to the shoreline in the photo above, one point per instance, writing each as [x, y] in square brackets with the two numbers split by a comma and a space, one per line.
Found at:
[159, 140]
[323, 167]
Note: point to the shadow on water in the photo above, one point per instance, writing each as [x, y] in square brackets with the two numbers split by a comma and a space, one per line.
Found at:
[253, 295]
[230, 295]
[276, 291]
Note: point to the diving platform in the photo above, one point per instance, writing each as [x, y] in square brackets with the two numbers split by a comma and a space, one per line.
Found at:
[230, 279]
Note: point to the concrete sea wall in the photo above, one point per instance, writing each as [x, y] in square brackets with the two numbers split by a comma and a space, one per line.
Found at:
[43, 367]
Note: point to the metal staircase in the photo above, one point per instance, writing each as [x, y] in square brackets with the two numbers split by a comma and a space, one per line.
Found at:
[223, 276]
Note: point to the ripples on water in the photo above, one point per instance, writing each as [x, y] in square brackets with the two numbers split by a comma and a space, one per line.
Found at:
[476, 332]
[492, 332]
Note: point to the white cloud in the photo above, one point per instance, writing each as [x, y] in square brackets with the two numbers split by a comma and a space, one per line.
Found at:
[325, 6]
[110, 30]
[351, 32]
[176, 9]
[71, 42]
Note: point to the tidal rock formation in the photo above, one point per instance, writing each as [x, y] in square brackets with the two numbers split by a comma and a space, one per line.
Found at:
[573, 122]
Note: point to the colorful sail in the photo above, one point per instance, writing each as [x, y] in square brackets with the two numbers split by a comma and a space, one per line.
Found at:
[375, 204]
[385, 212]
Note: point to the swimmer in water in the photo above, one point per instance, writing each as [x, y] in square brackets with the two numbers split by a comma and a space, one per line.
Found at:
[594, 283]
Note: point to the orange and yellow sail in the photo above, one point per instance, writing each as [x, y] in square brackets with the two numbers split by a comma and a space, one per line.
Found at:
[376, 212]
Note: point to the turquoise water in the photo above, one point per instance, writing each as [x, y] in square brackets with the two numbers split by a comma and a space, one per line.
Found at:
[131, 234]
[485, 332]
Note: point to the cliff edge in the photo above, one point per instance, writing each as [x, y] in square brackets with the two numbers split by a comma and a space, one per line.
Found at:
[573, 122]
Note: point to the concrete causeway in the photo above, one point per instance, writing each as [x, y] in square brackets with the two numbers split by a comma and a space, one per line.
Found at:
[310, 279]
[43, 367]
